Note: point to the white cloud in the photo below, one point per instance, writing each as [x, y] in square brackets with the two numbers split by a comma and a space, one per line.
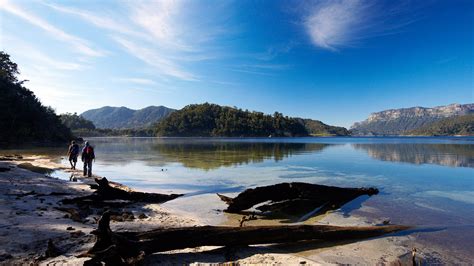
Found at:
[155, 59]
[167, 35]
[160, 19]
[100, 20]
[341, 23]
[140, 81]
[187, 26]
[38, 59]
[79, 44]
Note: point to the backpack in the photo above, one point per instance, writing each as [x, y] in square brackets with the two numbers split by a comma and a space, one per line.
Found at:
[89, 152]
[75, 149]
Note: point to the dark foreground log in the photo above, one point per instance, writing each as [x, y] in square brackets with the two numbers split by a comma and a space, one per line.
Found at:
[105, 192]
[295, 198]
[128, 247]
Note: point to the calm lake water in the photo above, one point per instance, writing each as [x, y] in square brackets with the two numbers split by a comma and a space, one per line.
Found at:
[422, 181]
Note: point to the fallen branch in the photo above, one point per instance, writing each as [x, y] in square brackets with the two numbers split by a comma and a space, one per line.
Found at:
[106, 192]
[126, 247]
[294, 198]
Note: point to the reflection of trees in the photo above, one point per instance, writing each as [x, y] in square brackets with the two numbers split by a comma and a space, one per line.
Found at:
[217, 154]
[199, 153]
[460, 155]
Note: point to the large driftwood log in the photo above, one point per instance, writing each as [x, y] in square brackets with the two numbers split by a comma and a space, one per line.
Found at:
[106, 192]
[295, 198]
[113, 247]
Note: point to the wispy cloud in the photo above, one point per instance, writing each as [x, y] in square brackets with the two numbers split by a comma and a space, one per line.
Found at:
[140, 81]
[167, 35]
[41, 59]
[160, 19]
[155, 59]
[100, 20]
[77, 43]
[343, 23]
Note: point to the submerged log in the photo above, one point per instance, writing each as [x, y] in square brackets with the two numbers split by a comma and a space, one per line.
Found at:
[295, 198]
[105, 192]
[113, 247]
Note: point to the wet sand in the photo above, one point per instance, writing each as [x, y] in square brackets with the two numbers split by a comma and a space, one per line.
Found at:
[29, 219]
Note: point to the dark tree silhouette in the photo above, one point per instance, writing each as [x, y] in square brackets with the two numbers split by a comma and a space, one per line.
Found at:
[22, 117]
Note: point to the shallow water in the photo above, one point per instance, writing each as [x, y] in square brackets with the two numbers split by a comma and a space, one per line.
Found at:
[427, 182]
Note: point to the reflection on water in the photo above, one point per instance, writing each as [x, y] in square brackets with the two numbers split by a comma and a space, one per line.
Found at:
[457, 155]
[209, 156]
[205, 154]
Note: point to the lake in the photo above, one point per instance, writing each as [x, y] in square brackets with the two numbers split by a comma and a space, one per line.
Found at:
[423, 181]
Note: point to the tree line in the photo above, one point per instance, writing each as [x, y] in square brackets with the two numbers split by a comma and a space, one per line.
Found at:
[22, 117]
[212, 120]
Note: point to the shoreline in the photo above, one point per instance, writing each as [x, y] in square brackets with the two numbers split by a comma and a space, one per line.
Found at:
[30, 219]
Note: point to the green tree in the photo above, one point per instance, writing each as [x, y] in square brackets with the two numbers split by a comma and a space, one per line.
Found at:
[212, 120]
[8, 69]
[74, 121]
[23, 118]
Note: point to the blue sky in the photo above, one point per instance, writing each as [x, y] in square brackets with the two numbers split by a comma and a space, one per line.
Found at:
[336, 61]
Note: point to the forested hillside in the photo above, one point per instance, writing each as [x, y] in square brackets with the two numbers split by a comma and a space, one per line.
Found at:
[318, 128]
[22, 117]
[460, 125]
[74, 121]
[211, 120]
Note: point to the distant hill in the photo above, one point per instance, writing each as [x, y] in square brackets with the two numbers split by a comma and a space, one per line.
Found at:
[458, 125]
[318, 128]
[212, 120]
[123, 117]
[401, 121]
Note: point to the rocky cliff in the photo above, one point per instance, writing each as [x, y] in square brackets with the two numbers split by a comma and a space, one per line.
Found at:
[400, 121]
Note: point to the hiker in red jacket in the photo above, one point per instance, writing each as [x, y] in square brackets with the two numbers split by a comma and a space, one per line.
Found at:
[87, 157]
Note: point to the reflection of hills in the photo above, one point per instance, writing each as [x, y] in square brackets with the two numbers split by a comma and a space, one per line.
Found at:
[204, 154]
[217, 154]
[442, 154]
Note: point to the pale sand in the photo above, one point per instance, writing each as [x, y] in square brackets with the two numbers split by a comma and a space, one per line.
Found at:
[28, 222]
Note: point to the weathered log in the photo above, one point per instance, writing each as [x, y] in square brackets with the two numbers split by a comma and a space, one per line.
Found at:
[130, 245]
[106, 192]
[295, 198]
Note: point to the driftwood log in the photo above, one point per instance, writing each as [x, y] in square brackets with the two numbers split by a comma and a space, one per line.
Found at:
[295, 198]
[114, 198]
[106, 192]
[130, 247]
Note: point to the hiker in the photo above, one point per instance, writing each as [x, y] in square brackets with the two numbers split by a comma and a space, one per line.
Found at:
[87, 157]
[73, 152]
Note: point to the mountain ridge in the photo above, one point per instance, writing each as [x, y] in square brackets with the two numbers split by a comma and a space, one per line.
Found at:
[123, 117]
[402, 120]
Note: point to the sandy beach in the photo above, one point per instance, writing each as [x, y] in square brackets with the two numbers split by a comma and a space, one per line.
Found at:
[31, 216]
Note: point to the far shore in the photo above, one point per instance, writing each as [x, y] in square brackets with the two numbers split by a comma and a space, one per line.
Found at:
[29, 218]
[65, 143]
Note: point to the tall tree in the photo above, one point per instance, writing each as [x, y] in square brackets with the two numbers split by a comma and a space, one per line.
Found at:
[22, 117]
[8, 69]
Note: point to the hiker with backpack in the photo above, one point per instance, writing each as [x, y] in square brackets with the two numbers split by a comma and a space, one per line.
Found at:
[87, 157]
[73, 152]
